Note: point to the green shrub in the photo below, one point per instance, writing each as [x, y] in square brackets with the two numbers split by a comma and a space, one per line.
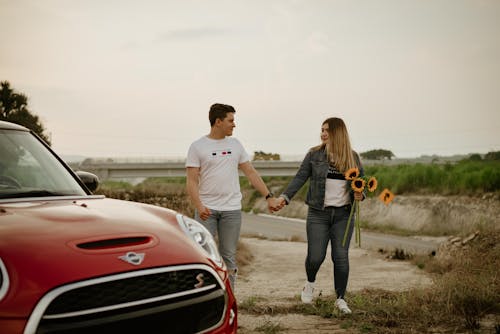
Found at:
[466, 177]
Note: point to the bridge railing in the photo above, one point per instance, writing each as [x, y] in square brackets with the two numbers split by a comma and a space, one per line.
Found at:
[122, 171]
[128, 169]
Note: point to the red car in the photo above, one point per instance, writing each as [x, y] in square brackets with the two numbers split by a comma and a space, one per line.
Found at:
[74, 262]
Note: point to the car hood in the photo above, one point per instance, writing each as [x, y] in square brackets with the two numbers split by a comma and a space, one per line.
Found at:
[87, 237]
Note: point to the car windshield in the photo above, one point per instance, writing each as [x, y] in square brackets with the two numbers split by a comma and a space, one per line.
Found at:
[29, 169]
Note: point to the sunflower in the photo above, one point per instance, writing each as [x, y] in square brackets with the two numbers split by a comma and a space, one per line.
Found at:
[351, 173]
[372, 184]
[358, 184]
[386, 196]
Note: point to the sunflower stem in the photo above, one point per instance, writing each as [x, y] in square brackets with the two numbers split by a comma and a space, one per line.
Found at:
[356, 224]
[358, 228]
[348, 223]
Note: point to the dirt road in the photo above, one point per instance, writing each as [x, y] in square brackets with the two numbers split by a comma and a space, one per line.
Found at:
[276, 277]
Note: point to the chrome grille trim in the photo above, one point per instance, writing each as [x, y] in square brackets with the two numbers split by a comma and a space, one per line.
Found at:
[39, 310]
[124, 305]
[5, 283]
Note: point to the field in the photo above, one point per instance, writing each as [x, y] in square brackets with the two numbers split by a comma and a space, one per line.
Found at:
[441, 200]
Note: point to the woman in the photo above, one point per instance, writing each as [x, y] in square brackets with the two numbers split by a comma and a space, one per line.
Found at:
[329, 198]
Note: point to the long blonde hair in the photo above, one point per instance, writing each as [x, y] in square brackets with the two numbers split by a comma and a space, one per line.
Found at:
[338, 147]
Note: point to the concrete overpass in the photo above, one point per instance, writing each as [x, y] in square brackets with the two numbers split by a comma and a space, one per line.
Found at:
[108, 169]
[135, 170]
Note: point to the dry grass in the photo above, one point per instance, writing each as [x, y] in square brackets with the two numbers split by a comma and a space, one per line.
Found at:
[464, 299]
[244, 257]
[465, 293]
[169, 195]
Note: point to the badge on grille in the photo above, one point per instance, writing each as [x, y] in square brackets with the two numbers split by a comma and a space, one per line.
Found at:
[200, 278]
[133, 258]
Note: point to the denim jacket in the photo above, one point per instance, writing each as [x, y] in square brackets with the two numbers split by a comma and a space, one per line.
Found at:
[315, 168]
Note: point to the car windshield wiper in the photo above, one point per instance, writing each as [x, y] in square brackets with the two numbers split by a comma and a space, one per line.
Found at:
[33, 193]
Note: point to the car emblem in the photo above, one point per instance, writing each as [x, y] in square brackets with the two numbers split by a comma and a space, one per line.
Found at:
[133, 258]
[200, 278]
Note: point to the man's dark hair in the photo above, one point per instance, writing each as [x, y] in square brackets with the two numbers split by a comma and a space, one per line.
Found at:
[219, 111]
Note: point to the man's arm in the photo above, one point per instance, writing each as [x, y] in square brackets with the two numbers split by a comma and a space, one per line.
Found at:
[192, 186]
[257, 182]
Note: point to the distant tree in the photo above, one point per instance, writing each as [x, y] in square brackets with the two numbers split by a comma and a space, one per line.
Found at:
[14, 108]
[475, 157]
[259, 155]
[377, 155]
[494, 155]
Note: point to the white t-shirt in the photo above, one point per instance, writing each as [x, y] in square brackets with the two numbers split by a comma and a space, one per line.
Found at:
[218, 160]
[336, 189]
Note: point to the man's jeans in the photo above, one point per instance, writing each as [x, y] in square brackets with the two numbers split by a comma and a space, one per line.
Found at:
[324, 226]
[225, 226]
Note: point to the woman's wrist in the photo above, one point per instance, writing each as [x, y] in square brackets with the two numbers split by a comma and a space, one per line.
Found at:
[285, 198]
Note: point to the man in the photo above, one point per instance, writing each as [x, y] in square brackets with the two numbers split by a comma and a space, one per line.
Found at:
[213, 183]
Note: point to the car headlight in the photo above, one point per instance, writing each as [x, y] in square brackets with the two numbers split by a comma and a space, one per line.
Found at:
[201, 237]
[4, 280]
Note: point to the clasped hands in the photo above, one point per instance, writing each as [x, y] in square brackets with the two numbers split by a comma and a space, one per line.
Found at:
[275, 204]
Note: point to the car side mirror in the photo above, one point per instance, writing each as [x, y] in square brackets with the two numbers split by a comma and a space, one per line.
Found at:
[91, 181]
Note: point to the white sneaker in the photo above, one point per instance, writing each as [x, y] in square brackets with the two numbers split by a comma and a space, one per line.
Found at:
[342, 306]
[307, 292]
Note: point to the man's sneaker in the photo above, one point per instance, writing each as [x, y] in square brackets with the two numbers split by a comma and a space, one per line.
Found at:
[342, 306]
[307, 292]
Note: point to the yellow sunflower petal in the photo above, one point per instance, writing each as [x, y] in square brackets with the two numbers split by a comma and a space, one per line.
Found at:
[358, 185]
[351, 173]
[372, 184]
[386, 196]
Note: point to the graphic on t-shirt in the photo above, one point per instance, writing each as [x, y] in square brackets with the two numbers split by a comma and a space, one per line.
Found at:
[221, 153]
[333, 173]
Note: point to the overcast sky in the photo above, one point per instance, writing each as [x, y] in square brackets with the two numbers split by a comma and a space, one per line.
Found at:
[128, 78]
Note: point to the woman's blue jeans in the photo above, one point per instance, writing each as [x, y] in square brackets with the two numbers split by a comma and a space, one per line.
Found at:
[325, 226]
[225, 226]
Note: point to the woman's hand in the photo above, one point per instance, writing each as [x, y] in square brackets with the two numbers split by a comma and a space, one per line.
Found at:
[275, 204]
[358, 195]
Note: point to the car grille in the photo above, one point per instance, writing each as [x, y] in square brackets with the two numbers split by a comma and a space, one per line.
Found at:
[183, 299]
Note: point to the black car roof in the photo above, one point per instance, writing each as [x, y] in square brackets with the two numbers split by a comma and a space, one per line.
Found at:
[11, 126]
